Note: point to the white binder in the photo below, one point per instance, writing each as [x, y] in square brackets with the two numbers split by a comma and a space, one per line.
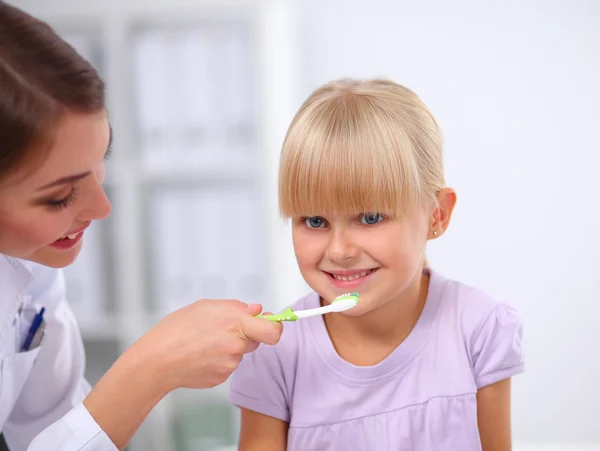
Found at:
[206, 244]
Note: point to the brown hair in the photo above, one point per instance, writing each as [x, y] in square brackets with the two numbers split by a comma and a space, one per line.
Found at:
[41, 78]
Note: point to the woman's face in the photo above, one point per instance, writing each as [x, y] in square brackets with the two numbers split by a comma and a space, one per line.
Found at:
[44, 211]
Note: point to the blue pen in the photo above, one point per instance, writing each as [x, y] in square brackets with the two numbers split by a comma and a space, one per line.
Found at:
[35, 325]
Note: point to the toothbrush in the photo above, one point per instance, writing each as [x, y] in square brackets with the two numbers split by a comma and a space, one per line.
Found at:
[340, 304]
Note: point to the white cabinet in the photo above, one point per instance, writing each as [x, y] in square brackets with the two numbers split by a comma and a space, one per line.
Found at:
[206, 242]
[195, 87]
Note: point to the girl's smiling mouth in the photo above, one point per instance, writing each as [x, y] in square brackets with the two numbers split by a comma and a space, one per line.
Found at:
[350, 278]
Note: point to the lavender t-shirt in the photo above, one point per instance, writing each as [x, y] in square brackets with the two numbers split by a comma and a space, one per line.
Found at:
[421, 397]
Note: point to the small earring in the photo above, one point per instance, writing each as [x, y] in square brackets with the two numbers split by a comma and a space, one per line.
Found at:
[435, 233]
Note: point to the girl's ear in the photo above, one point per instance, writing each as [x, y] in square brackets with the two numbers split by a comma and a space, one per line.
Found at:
[442, 213]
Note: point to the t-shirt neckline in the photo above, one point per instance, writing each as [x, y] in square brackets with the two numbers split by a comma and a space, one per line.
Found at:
[400, 357]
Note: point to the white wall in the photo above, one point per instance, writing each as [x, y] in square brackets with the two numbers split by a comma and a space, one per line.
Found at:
[515, 86]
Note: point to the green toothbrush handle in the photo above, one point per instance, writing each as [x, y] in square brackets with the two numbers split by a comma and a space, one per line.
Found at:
[287, 315]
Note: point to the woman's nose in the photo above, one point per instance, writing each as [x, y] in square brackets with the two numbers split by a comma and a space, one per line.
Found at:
[97, 205]
[103, 207]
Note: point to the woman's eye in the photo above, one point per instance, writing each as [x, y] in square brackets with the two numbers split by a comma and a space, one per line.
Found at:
[314, 222]
[65, 202]
[371, 218]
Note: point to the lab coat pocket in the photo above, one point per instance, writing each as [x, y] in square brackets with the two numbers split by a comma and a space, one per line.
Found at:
[14, 371]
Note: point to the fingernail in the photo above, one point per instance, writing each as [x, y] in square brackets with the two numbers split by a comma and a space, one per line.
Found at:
[254, 306]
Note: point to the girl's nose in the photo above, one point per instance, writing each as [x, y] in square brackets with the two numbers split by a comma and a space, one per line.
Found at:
[341, 247]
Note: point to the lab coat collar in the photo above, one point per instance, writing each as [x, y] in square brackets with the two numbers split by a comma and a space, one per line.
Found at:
[16, 277]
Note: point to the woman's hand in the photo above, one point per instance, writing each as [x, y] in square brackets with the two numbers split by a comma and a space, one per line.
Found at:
[200, 345]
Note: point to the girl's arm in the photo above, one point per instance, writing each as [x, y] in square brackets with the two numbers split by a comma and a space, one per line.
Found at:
[493, 416]
[262, 433]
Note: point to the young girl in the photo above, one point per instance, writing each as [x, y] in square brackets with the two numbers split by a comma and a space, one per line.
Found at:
[422, 362]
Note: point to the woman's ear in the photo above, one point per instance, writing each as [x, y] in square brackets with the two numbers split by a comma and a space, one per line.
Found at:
[440, 218]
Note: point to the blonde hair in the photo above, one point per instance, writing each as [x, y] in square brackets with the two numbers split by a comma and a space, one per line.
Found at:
[357, 147]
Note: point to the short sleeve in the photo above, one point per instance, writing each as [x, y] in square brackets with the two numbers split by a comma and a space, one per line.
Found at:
[497, 349]
[258, 384]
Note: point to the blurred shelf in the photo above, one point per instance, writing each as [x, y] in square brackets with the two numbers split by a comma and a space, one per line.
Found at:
[203, 421]
[197, 172]
[193, 234]
[103, 328]
[100, 356]
[193, 172]
[157, 11]
[184, 396]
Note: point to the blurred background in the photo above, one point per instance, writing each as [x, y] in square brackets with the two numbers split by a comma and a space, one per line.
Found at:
[200, 94]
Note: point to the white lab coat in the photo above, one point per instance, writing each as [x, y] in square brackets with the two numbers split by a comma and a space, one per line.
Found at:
[41, 390]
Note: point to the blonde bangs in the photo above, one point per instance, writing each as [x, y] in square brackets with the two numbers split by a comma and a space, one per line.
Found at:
[347, 154]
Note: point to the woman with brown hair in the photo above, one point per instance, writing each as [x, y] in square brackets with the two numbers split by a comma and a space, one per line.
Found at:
[54, 137]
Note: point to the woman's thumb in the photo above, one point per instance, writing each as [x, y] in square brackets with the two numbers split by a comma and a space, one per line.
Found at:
[253, 309]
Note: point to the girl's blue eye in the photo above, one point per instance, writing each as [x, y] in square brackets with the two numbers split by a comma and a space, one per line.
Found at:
[371, 218]
[314, 222]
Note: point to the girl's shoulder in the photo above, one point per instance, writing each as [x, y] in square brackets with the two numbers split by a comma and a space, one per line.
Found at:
[490, 328]
[473, 306]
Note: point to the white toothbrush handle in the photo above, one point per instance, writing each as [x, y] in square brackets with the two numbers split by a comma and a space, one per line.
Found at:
[313, 312]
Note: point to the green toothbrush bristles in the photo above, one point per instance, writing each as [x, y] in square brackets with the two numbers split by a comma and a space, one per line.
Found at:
[352, 296]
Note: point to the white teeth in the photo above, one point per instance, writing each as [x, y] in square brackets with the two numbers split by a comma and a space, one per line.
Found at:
[72, 237]
[353, 277]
